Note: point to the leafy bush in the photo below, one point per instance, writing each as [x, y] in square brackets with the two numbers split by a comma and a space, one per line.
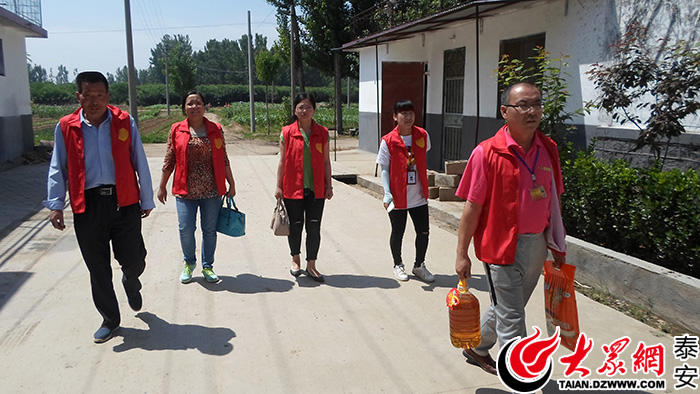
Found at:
[52, 94]
[152, 94]
[646, 213]
[119, 93]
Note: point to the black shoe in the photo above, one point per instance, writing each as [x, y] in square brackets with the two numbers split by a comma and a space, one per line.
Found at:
[314, 277]
[135, 300]
[104, 334]
[295, 272]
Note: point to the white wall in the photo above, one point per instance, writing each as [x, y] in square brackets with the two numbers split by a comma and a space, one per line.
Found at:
[14, 86]
[581, 30]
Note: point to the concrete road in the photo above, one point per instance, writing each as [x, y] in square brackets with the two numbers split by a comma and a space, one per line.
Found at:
[259, 330]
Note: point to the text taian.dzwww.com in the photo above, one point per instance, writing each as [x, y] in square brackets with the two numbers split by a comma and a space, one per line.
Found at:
[612, 384]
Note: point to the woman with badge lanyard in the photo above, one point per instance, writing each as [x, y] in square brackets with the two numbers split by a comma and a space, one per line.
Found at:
[402, 156]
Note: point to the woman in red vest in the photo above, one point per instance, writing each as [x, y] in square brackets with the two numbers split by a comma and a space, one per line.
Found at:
[196, 152]
[304, 181]
[402, 156]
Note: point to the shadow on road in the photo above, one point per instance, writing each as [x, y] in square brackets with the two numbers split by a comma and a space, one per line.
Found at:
[10, 282]
[162, 335]
[247, 284]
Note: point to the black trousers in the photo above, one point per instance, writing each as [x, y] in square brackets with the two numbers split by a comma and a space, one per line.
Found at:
[103, 222]
[421, 223]
[307, 211]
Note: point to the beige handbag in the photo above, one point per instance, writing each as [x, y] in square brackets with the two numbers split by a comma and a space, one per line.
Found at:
[280, 220]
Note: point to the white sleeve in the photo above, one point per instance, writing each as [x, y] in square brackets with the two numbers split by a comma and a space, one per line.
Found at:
[383, 156]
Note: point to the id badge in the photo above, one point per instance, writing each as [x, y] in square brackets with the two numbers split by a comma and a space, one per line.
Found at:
[411, 175]
[538, 193]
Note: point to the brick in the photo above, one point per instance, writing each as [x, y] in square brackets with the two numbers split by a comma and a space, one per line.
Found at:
[433, 192]
[448, 194]
[455, 167]
[431, 177]
[445, 180]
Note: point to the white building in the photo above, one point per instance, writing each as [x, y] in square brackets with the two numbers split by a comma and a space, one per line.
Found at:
[19, 19]
[445, 63]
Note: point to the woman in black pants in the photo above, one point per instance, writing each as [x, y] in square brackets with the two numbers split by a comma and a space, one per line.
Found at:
[402, 155]
[304, 181]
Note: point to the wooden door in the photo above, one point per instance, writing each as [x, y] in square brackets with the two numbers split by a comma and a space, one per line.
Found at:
[402, 80]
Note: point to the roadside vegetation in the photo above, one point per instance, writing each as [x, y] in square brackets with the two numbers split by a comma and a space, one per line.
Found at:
[279, 116]
[154, 123]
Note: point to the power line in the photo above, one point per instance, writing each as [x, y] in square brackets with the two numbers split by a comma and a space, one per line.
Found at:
[145, 29]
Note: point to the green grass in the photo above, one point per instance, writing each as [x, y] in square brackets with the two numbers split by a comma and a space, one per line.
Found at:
[154, 111]
[45, 118]
[280, 115]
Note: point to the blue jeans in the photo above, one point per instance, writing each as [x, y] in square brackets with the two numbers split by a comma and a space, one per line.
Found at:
[187, 219]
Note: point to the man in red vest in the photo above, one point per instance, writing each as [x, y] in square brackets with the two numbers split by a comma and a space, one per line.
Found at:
[98, 155]
[513, 185]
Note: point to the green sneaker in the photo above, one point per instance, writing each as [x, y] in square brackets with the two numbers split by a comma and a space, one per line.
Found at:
[186, 274]
[209, 275]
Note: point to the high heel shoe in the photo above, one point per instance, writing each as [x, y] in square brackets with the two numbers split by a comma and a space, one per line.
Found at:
[318, 278]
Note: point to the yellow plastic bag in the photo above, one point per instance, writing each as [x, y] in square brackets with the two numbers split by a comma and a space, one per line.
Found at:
[560, 302]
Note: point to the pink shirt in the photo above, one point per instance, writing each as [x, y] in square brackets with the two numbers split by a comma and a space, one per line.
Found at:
[533, 216]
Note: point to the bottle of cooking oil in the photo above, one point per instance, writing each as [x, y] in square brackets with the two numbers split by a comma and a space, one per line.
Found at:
[465, 317]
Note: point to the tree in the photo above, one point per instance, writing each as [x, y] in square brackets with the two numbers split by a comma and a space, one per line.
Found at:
[288, 22]
[268, 66]
[37, 73]
[548, 75]
[653, 88]
[62, 75]
[122, 74]
[148, 76]
[181, 67]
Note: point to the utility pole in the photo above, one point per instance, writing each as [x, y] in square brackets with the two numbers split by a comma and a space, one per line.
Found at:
[338, 82]
[133, 107]
[167, 78]
[250, 78]
[291, 56]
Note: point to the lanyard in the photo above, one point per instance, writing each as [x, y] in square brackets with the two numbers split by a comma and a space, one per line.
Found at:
[534, 165]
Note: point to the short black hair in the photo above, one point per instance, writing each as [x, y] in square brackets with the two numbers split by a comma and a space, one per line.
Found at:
[404, 105]
[505, 95]
[90, 77]
[299, 98]
[188, 94]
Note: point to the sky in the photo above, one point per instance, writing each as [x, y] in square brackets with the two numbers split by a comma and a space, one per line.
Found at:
[91, 35]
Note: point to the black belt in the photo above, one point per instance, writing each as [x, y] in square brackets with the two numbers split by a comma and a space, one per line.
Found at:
[102, 190]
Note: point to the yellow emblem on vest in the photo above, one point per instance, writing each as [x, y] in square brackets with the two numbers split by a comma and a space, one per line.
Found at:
[218, 143]
[123, 134]
[420, 142]
[319, 147]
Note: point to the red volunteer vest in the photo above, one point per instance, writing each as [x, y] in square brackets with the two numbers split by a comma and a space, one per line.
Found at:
[496, 236]
[120, 130]
[399, 158]
[293, 181]
[180, 134]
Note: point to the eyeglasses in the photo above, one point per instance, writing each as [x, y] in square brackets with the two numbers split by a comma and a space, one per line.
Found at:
[526, 107]
[304, 108]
